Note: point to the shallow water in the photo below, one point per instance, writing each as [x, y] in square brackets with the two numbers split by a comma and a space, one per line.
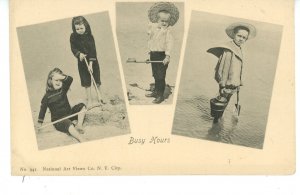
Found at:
[197, 84]
[196, 122]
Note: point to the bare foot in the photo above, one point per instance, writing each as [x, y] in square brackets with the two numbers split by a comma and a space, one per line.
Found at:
[89, 104]
[75, 122]
[80, 130]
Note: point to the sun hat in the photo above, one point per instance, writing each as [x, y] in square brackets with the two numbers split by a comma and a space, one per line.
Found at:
[230, 29]
[163, 6]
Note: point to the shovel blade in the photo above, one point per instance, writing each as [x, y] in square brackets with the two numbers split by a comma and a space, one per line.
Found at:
[133, 85]
[129, 60]
[238, 108]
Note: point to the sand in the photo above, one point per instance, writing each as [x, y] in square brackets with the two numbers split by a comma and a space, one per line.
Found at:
[46, 46]
[100, 122]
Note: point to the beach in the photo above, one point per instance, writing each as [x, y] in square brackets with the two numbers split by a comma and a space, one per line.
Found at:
[197, 84]
[132, 39]
[46, 46]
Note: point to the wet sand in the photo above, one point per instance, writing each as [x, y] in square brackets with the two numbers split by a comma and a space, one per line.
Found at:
[197, 84]
[46, 46]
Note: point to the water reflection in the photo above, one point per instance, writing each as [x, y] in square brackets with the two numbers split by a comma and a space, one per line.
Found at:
[219, 133]
[193, 119]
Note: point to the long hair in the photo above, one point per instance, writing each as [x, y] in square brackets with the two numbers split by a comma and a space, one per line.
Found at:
[49, 86]
[81, 20]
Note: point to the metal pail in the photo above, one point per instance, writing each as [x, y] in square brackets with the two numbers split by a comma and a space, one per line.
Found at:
[217, 108]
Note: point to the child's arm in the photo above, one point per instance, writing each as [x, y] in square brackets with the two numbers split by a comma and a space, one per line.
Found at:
[66, 82]
[169, 46]
[74, 48]
[92, 55]
[224, 67]
[43, 110]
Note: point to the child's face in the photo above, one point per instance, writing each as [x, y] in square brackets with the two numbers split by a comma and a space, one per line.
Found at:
[56, 81]
[240, 37]
[80, 28]
[163, 19]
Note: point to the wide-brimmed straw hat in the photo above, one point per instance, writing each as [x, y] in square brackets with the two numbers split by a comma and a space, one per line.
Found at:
[163, 6]
[230, 29]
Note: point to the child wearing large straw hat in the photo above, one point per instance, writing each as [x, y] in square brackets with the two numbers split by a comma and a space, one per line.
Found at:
[228, 72]
[161, 15]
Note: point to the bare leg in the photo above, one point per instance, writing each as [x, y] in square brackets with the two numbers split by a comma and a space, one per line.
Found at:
[88, 92]
[74, 133]
[81, 118]
[100, 93]
[75, 122]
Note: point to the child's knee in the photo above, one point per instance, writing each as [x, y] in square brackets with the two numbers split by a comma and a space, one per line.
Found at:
[72, 129]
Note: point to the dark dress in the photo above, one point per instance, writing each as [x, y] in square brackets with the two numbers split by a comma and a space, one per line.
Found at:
[58, 103]
[85, 44]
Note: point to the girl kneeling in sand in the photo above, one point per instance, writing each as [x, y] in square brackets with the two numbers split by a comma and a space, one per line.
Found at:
[57, 101]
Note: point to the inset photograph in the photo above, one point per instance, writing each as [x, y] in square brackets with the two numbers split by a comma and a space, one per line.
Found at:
[73, 80]
[150, 38]
[227, 79]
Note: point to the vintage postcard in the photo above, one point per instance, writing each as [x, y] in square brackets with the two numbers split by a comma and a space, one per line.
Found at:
[151, 87]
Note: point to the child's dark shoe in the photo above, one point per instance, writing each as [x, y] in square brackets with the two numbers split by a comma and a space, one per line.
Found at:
[158, 100]
[153, 94]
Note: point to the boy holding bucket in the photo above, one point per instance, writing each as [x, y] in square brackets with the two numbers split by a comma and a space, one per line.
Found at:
[228, 71]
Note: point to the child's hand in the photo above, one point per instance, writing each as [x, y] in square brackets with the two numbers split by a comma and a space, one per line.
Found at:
[58, 76]
[90, 66]
[81, 56]
[221, 90]
[166, 61]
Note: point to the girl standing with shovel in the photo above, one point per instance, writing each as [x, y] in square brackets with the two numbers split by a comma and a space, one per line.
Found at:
[84, 49]
[228, 72]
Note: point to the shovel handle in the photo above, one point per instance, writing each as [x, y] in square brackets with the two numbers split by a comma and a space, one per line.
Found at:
[93, 80]
[67, 117]
[133, 60]
[237, 105]
[143, 62]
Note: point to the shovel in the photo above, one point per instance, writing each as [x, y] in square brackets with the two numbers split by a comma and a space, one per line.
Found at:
[67, 117]
[136, 85]
[133, 60]
[93, 81]
[237, 105]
